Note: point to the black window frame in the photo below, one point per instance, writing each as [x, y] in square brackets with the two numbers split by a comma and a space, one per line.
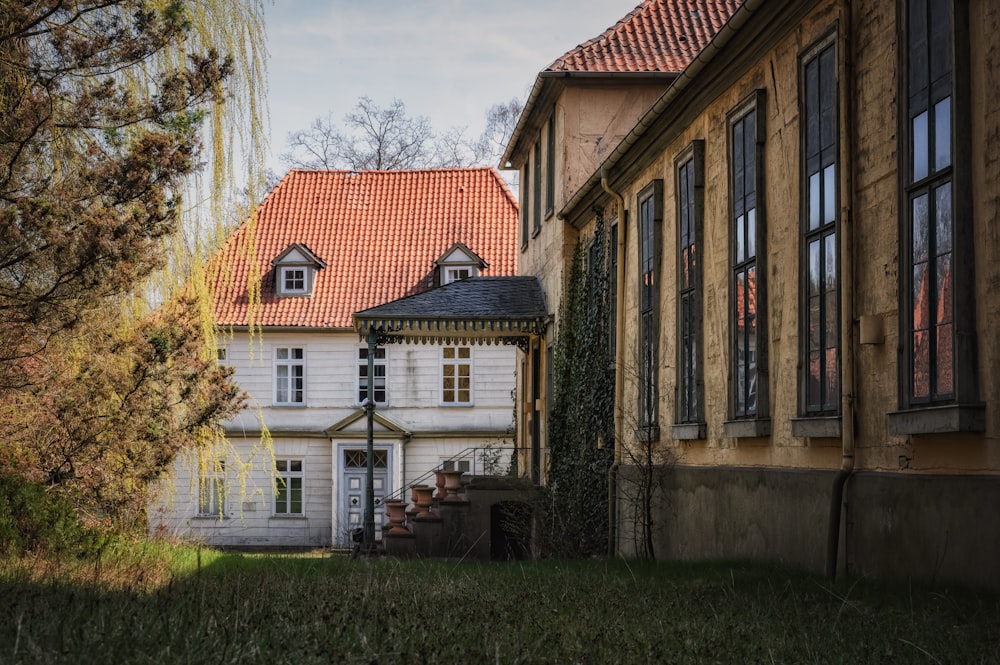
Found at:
[929, 29]
[550, 167]
[746, 132]
[536, 192]
[689, 197]
[649, 220]
[820, 229]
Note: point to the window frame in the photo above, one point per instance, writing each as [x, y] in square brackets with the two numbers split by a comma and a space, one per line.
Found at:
[550, 167]
[689, 411]
[822, 418]
[747, 422]
[288, 475]
[536, 191]
[211, 499]
[961, 408]
[456, 363]
[649, 241]
[289, 362]
[361, 385]
[524, 192]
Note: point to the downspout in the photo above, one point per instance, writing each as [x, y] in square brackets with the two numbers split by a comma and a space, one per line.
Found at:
[619, 364]
[847, 318]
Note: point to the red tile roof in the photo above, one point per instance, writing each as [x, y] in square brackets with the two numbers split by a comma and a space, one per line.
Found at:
[379, 233]
[656, 36]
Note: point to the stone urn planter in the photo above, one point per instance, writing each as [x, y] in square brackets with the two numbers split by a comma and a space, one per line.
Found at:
[452, 485]
[439, 483]
[395, 511]
[423, 497]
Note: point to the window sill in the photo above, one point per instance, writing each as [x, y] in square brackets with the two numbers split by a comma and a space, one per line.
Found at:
[939, 419]
[689, 431]
[751, 428]
[456, 405]
[289, 517]
[536, 231]
[817, 427]
[288, 405]
[210, 518]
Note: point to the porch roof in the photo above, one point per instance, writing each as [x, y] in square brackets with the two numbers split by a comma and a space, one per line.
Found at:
[476, 310]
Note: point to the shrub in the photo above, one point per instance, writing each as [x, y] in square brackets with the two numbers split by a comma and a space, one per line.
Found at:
[34, 519]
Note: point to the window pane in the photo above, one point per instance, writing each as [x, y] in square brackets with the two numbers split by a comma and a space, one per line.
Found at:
[921, 303]
[814, 201]
[945, 361]
[829, 195]
[449, 352]
[943, 290]
[751, 232]
[832, 387]
[280, 465]
[282, 354]
[920, 249]
[921, 149]
[921, 364]
[296, 466]
[942, 134]
[297, 354]
[740, 236]
[942, 210]
[464, 352]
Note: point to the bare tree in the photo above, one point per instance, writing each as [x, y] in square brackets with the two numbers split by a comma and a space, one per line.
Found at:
[386, 138]
[373, 137]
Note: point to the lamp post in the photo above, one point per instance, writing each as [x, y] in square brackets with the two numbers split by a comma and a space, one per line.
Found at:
[369, 530]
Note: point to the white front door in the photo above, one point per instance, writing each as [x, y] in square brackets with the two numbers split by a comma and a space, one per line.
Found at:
[351, 498]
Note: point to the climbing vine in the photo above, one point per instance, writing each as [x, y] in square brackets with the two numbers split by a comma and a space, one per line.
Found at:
[581, 436]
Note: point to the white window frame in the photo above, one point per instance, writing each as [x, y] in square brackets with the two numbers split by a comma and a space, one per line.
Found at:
[284, 274]
[211, 499]
[289, 362]
[454, 273]
[463, 464]
[382, 362]
[287, 475]
[455, 363]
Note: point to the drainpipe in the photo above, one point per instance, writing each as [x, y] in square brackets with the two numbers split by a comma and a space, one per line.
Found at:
[619, 364]
[848, 316]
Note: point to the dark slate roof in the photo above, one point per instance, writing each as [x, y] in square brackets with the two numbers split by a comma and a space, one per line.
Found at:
[473, 308]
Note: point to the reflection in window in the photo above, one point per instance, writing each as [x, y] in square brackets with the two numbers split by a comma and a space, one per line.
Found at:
[743, 173]
[821, 320]
[931, 225]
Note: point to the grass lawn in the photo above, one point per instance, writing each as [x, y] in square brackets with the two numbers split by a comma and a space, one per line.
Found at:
[151, 604]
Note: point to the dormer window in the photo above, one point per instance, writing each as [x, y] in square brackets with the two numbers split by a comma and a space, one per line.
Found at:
[293, 280]
[458, 263]
[295, 271]
[455, 274]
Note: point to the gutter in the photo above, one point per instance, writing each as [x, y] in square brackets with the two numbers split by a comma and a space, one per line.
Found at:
[619, 365]
[847, 317]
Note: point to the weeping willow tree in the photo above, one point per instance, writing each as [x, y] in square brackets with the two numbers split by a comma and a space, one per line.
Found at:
[120, 127]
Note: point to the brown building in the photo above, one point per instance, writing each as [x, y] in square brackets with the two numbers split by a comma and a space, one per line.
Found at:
[805, 279]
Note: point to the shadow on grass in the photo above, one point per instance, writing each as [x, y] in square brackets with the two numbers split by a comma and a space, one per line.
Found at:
[291, 608]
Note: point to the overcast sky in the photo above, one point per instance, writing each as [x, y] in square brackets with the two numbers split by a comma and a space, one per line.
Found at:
[448, 60]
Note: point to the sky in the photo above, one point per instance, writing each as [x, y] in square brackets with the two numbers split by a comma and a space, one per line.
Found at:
[448, 60]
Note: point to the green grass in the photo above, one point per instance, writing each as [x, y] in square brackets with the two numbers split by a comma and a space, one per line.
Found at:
[157, 604]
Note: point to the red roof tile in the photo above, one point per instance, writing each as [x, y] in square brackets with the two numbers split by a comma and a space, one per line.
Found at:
[379, 233]
[656, 36]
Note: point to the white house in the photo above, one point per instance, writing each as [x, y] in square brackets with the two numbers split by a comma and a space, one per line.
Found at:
[327, 244]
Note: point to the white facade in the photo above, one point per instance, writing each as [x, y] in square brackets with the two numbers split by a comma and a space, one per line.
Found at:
[318, 433]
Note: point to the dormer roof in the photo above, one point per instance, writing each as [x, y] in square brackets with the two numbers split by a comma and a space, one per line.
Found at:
[459, 254]
[298, 254]
[379, 234]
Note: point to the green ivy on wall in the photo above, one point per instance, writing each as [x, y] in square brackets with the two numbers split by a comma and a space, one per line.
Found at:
[581, 419]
